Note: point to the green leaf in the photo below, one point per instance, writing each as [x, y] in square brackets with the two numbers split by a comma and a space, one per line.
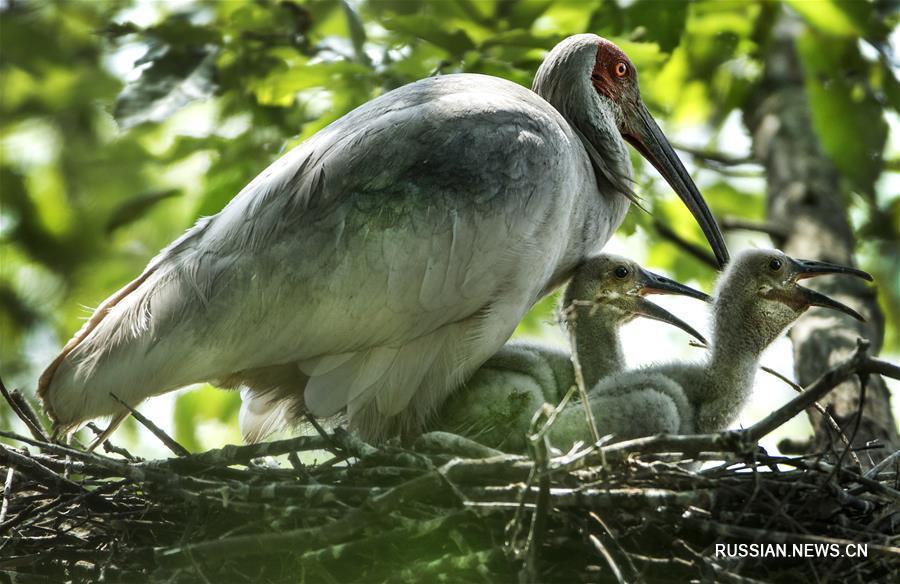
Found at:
[173, 79]
[456, 41]
[835, 17]
[847, 118]
[522, 14]
[136, 207]
[357, 33]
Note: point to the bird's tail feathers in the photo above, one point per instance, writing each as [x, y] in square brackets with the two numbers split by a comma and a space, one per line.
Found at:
[116, 352]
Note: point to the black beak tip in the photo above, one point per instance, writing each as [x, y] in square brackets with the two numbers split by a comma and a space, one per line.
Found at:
[858, 316]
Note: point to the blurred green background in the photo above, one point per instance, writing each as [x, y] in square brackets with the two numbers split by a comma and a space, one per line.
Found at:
[123, 121]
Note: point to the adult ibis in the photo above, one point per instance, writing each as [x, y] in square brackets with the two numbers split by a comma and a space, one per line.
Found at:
[375, 266]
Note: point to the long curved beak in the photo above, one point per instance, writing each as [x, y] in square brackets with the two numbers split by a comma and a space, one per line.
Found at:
[651, 283]
[811, 268]
[643, 307]
[653, 145]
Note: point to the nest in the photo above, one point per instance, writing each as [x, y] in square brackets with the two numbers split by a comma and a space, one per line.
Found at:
[444, 508]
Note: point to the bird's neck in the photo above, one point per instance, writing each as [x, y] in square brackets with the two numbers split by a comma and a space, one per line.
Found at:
[563, 80]
[597, 344]
[736, 350]
[734, 370]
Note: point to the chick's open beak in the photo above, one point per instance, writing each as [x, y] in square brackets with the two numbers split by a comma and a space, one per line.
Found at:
[811, 268]
[651, 283]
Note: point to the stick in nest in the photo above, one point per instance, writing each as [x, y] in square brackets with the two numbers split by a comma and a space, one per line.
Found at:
[22, 409]
[167, 440]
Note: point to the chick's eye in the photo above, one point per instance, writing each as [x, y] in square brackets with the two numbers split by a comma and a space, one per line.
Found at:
[621, 272]
[775, 264]
[621, 69]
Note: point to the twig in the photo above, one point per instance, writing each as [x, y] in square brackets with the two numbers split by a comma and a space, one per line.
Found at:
[730, 223]
[350, 444]
[233, 454]
[816, 390]
[825, 415]
[29, 466]
[719, 158]
[437, 570]
[7, 493]
[609, 535]
[540, 450]
[879, 367]
[823, 466]
[169, 442]
[630, 498]
[22, 409]
[601, 549]
[296, 540]
[889, 460]
[447, 443]
[863, 379]
[691, 248]
[108, 446]
[333, 447]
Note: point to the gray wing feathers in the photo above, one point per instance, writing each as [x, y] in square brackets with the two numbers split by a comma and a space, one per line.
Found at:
[378, 231]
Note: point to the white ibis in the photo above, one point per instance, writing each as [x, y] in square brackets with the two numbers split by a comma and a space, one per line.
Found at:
[378, 264]
[756, 298]
[497, 403]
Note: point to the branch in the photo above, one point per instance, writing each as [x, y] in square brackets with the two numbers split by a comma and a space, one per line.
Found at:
[167, 440]
[233, 454]
[731, 223]
[715, 157]
[818, 389]
[693, 249]
[30, 467]
[22, 409]
[7, 494]
[454, 444]
[296, 540]
[825, 415]
[894, 458]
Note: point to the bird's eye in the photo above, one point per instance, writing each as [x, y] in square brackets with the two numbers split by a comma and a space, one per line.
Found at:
[775, 264]
[621, 69]
[621, 272]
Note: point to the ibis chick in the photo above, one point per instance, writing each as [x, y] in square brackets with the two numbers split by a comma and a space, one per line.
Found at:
[496, 405]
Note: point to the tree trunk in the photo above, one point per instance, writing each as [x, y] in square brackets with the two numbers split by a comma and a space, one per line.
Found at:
[805, 199]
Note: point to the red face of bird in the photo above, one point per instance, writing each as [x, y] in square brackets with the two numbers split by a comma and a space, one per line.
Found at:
[775, 275]
[615, 288]
[615, 79]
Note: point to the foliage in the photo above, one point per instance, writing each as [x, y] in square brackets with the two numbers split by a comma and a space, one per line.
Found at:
[123, 121]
